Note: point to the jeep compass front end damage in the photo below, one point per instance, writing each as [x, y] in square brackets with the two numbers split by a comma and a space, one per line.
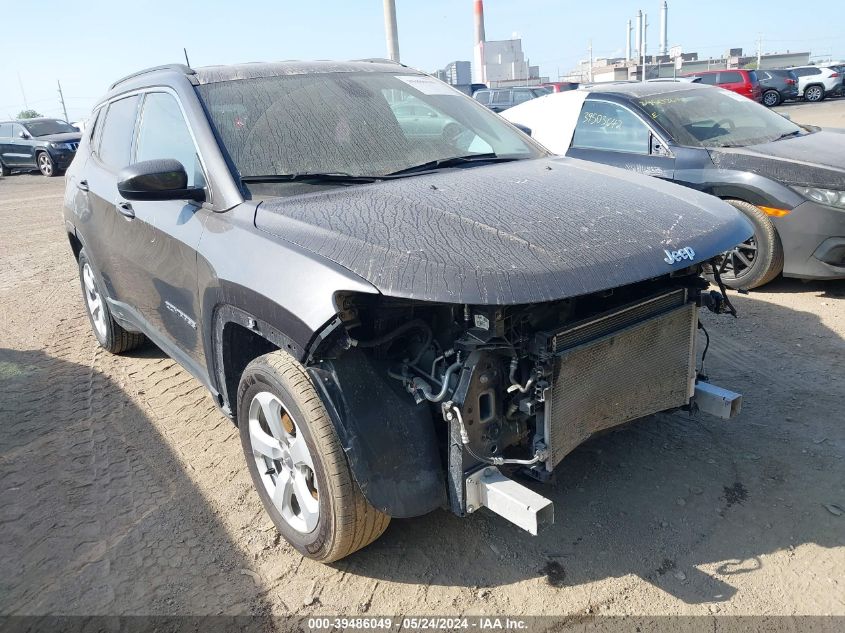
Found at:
[399, 313]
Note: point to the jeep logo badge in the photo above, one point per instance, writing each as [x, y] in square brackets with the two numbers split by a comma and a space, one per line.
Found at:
[673, 257]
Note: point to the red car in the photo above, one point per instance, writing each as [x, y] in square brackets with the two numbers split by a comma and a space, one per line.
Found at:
[742, 82]
[560, 86]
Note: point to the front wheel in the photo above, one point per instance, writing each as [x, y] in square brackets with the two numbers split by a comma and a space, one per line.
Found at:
[46, 165]
[757, 260]
[771, 98]
[814, 93]
[298, 465]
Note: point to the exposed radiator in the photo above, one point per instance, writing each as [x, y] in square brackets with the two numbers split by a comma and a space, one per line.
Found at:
[618, 367]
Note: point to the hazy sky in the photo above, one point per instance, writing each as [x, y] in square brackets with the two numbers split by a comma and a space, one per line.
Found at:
[89, 44]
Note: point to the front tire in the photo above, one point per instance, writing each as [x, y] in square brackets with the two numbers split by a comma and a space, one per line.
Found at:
[298, 465]
[771, 98]
[108, 332]
[814, 93]
[46, 165]
[758, 260]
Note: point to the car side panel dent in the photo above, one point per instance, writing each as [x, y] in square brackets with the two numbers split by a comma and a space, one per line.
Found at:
[390, 442]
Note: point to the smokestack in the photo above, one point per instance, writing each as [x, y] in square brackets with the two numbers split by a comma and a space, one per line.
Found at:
[478, 70]
[639, 33]
[628, 42]
[390, 29]
[664, 38]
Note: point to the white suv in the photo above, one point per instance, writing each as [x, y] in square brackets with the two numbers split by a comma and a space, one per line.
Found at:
[818, 82]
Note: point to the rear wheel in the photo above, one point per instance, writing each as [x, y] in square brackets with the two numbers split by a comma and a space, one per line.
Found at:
[108, 332]
[771, 98]
[298, 465]
[814, 93]
[5, 171]
[756, 261]
[46, 165]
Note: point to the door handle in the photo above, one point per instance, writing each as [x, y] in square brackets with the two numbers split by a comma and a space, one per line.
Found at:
[82, 185]
[125, 209]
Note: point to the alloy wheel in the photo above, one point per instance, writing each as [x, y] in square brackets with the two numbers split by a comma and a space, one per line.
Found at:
[94, 300]
[45, 164]
[814, 93]
[737, 262]
[284, 462]
[770, 99]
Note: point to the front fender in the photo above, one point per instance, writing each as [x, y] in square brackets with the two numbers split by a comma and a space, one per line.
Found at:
[389, 441]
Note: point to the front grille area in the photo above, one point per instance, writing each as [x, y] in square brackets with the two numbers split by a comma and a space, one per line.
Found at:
[620, 367]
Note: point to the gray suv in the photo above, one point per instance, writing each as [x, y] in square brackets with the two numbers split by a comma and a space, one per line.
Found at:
[396, 320]
[500, 99]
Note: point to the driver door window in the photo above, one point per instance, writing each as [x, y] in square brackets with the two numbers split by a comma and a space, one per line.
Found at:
[607, 126]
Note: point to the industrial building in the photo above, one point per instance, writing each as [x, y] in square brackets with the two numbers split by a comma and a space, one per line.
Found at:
[500, 62]
[670, 62]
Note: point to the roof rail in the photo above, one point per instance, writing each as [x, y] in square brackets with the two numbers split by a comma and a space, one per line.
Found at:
[182, 68]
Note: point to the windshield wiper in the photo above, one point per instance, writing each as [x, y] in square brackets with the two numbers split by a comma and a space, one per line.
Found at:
[455, 161]
[788, 134]
[337, 177]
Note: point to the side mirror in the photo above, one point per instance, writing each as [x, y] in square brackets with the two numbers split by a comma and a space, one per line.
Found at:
[523, 128]
[164, 179]
[23, 134]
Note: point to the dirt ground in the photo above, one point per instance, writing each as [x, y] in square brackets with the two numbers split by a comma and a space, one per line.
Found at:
[827, 113]
[124, 491]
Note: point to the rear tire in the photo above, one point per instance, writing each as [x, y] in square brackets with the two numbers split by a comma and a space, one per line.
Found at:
[108, 332]
[771, 98]
[298, 465]
[5, 171]
[756, 261]
[814, 93]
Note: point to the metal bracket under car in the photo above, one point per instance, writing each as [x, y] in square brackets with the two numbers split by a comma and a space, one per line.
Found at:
[716, 401]
[489, 488]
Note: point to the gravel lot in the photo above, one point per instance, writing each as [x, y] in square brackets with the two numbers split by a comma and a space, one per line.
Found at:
[123, 490]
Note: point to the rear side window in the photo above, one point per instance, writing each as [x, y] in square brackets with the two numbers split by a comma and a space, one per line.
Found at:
[501, 97]
[709, 79]
[116, 137]
[609, 126]
[163, 133]
[730, 77]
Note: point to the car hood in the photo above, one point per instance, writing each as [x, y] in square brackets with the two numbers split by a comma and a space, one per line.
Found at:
[520, 232]
[816, 160]
[67, 137]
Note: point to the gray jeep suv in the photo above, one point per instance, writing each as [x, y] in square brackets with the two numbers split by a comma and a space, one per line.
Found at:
[397, 321]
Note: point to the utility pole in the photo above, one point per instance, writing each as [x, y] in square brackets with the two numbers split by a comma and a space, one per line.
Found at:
[644, 45]
[390, 30]
[759, 49]
[62, 99]
[590, 49]
[23, 93]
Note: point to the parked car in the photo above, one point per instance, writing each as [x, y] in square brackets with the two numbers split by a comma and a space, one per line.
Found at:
[778, 86]
[740, 81]
[816, 83]
[48, 145]
[560, 86]
[788, 180]
[500, 99]
[419, 120]
[389, 319]
[689, 80]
